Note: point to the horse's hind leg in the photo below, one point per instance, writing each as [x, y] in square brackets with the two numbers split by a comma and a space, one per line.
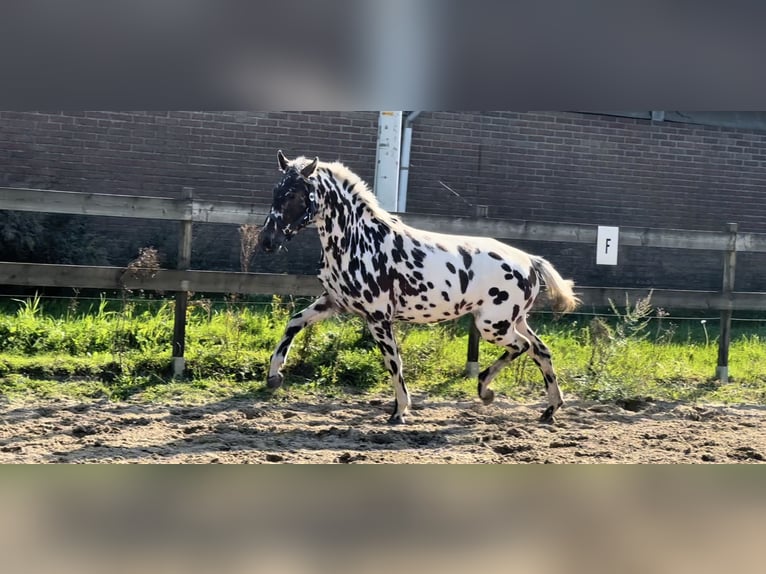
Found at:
[541, 355]
[318, 310]
[515, 343]
[383, 334]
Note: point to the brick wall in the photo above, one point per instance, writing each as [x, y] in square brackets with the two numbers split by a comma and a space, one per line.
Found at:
[556, 166]
[598, 169]
[224, 155]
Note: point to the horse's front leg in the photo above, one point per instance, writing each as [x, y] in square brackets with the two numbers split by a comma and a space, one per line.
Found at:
[318, 310]
[383, 334]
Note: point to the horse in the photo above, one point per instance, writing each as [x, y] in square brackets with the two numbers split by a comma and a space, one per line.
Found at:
[375, 266]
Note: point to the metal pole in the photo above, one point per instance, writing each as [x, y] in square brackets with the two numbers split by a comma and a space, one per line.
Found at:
[404, 165]
[184, 261]
[472, 364]
[729, 267]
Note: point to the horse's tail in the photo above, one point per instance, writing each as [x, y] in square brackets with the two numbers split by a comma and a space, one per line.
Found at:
[560, 290]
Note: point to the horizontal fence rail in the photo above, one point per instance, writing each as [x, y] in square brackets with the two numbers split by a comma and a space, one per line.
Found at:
[78, 203]
[115, 278]
[241, 213]
[186, 209]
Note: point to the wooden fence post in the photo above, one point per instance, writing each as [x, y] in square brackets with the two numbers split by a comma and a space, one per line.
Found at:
[729, 266]
[472, 360]
[184, 261]
[472, 364]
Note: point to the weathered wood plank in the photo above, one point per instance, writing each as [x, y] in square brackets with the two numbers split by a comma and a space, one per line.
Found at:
[77, 203]
[84, 277]
[580, 233]
[751, 242]
[42, 275]
[500, 228]
[673, 238]
[672, 299]
[240, 213]
[229, 212]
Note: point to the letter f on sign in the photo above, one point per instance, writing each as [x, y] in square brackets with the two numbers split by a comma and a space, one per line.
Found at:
[607, 243]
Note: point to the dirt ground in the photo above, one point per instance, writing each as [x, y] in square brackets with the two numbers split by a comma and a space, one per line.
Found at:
[354, 430]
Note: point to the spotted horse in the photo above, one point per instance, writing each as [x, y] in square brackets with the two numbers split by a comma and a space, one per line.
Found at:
[375, 266]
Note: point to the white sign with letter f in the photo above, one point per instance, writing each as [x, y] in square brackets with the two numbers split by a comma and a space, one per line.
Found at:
[606, 245]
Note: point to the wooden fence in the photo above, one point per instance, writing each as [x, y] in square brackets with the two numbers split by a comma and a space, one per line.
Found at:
[188, 210]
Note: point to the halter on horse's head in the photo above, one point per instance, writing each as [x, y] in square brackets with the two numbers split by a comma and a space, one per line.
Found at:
[294, 205]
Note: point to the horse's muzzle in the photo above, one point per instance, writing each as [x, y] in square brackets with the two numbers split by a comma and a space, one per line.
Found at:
[271, 237]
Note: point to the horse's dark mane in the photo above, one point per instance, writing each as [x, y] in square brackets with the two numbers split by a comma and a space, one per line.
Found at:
[361, 190]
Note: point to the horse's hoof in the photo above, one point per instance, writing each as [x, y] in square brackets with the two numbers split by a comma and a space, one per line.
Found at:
[275, 381]
[488, 397]
[547, 416]
[396, 419]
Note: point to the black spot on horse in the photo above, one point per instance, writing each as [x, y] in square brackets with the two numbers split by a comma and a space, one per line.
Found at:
[321, 306]
[532, 277]
[463, 281]
[499, 296]
[467, 259]
[445, 295]
[451, 267]
[501, 327]
[494, 255]
[515, 313]
[541, 350]
[386, 281]
[399, 245]
[418, 255]
[523, 284]
[406, 287]
[290, 333]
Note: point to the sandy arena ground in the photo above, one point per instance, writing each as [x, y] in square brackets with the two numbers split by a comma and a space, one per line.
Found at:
[354, 430]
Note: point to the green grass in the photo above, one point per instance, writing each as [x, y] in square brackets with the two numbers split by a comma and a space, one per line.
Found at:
[121, 350]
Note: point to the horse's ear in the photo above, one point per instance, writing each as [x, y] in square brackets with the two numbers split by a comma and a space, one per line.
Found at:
[282, 160]
[309, 169]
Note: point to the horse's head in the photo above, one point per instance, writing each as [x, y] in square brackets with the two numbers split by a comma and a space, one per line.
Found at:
[294, 205]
